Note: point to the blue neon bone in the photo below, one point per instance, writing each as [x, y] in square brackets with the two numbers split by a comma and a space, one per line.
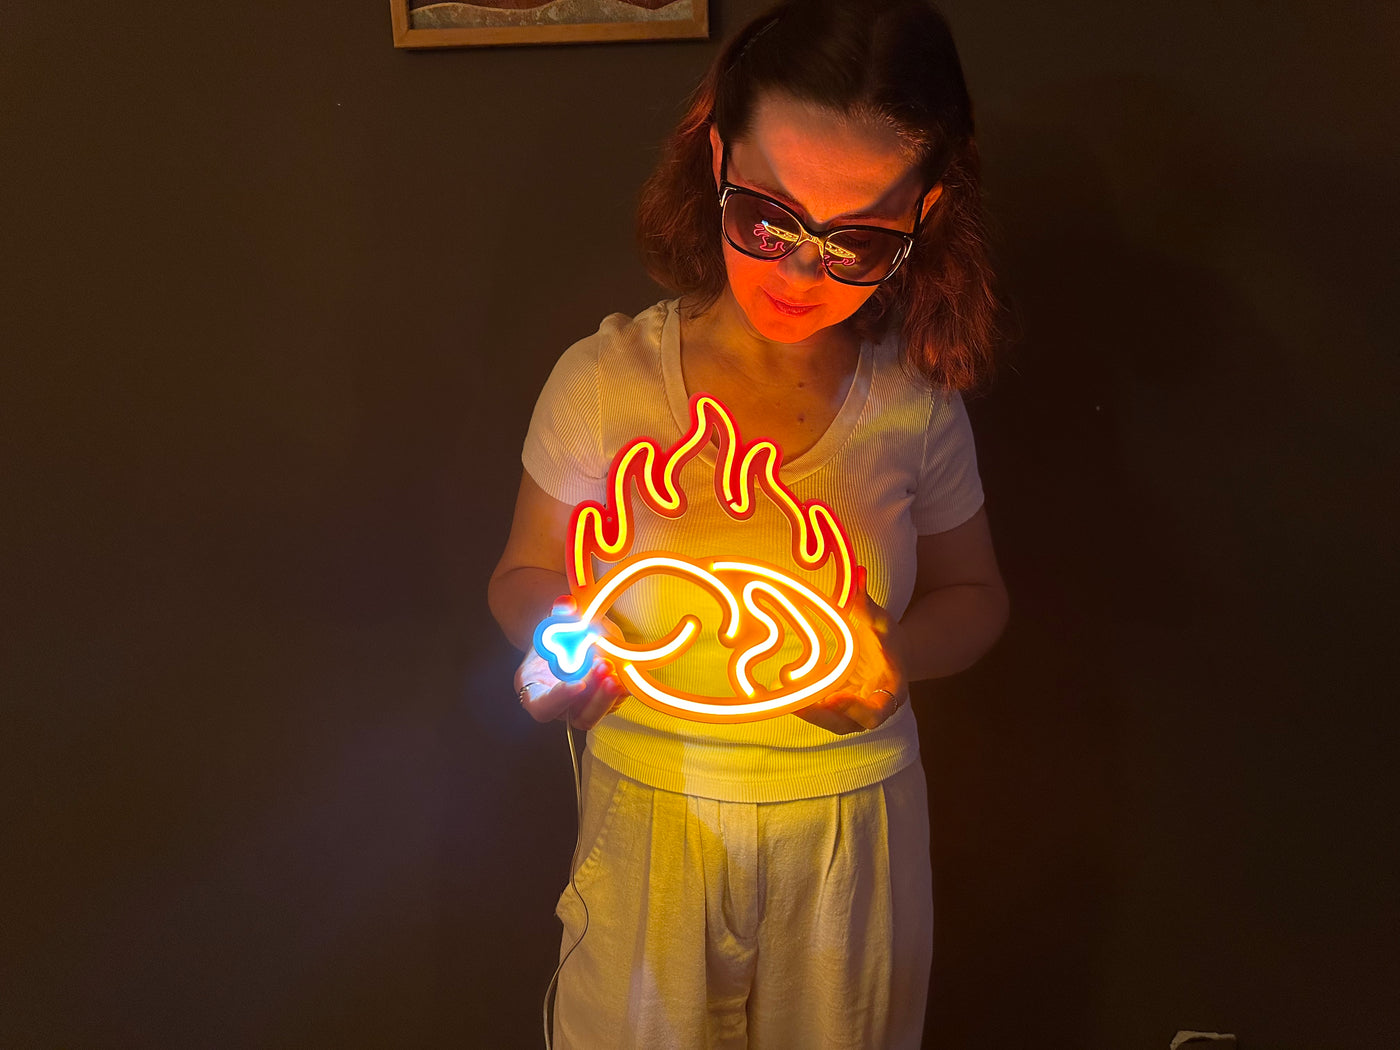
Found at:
[566, 643]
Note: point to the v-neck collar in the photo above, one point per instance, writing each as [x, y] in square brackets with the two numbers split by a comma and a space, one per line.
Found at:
[797, 468]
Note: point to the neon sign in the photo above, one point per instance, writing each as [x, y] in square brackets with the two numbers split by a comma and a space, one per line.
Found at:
[758, 602]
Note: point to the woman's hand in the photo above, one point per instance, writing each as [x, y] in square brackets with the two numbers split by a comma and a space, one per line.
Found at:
[582, 703]
[871, 690]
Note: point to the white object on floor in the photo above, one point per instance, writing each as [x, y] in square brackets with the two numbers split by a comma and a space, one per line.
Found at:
[1182, 1038]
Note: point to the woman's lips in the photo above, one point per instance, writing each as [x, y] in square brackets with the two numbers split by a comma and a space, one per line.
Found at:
[791, 309]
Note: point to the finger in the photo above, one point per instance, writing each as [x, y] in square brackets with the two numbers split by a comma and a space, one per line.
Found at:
[533, 669]
[868, 711]
[522, 672]
[858, 602]
[830, 720]
[866, 714]
[546, 703]
[604, 693]
[538, 701]
[602, 702]
[533, 680]
[591, 712]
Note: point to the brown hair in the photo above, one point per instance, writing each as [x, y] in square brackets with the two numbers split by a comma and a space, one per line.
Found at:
[888, 62]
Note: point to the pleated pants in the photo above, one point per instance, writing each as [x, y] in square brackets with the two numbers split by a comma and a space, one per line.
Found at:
[726, 925]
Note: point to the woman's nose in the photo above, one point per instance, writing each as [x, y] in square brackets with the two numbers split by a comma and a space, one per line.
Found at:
[802, 267]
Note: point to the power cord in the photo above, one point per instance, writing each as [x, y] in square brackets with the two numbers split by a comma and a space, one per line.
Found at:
[550, 992]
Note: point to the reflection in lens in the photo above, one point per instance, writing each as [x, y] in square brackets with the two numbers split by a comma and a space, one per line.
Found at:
[861, 255]
[765, 229]
[758, 228]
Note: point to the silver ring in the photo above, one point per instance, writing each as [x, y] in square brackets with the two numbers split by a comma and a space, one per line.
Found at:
[889, 694]
[524, 692]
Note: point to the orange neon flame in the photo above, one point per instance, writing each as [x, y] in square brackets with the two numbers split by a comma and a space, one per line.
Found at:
[756, 599]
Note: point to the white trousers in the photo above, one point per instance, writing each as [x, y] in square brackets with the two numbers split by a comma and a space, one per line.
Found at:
[728, 925]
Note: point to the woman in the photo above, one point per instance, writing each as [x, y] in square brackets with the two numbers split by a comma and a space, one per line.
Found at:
[768, 884]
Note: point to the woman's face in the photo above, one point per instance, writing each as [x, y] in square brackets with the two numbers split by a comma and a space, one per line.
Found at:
[830, 171]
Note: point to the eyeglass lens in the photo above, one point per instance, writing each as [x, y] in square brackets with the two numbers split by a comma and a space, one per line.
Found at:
[764, 229]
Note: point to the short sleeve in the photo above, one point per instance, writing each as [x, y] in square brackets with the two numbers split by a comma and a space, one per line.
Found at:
[950, 489]
[563, 448]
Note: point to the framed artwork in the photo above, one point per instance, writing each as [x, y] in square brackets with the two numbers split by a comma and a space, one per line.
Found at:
[454, 23]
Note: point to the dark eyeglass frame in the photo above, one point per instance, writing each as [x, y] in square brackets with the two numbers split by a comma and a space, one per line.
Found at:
[818, 237]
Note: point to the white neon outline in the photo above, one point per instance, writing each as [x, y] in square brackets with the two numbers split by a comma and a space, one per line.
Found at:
[575, 658]
[784, 700]
[753, 652]
[688, 629]
[612, 648]
[803, 624]
[618, 578]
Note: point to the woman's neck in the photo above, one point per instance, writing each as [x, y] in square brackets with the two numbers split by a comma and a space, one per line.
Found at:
[724, 335]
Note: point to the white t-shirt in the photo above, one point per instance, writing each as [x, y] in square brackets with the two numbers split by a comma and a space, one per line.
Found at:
[896, 463]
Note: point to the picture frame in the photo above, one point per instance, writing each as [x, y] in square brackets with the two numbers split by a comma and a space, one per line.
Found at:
[455, 23]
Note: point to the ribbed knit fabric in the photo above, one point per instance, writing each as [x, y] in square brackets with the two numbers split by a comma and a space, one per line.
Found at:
[897, 462]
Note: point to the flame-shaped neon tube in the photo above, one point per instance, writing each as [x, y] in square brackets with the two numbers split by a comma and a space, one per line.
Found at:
[606, 533]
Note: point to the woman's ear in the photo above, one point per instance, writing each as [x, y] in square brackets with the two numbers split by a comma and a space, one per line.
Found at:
[716, 153]
[930, 200]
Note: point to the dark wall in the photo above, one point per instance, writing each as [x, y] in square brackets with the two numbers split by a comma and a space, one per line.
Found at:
[278, 299]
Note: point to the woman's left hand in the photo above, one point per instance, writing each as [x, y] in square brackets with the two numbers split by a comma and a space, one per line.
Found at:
[874, 686]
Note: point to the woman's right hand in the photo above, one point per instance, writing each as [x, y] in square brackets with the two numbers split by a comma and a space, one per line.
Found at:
[582, 703]
[522, 586]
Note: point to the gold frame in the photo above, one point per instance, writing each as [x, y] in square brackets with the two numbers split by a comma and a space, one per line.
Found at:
[695, 27]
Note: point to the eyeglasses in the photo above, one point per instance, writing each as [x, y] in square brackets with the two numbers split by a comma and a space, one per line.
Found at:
[763, 228]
